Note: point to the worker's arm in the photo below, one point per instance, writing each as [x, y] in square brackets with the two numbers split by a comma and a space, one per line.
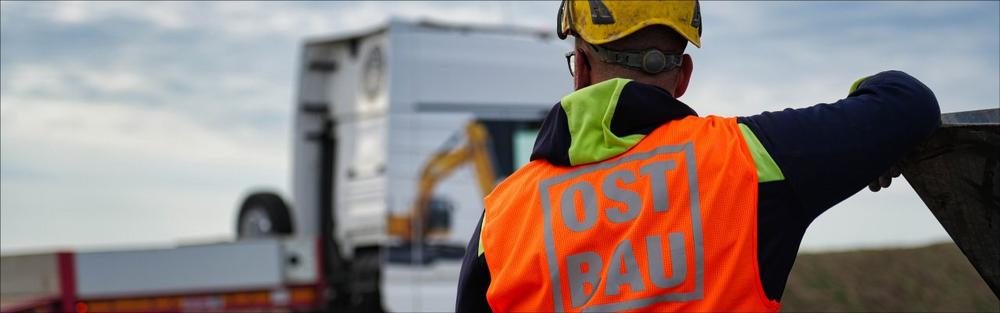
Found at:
[828, 152]
[474, 279]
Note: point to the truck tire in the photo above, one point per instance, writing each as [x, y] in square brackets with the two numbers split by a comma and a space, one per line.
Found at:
[263, 214]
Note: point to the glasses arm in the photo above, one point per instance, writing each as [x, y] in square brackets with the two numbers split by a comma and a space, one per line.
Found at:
[569, 62]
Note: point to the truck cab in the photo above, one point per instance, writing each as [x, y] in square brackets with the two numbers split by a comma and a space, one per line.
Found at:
[372, 109]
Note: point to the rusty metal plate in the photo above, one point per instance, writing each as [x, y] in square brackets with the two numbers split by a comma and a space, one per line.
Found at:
[956, 172]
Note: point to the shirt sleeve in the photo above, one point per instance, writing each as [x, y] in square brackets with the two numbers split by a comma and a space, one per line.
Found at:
[828, 152]
[812, 158]
[474, 279]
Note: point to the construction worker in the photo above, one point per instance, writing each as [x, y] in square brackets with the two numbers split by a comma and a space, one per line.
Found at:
[633, 202]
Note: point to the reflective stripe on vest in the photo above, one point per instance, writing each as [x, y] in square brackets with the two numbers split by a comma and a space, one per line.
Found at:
[668, 225]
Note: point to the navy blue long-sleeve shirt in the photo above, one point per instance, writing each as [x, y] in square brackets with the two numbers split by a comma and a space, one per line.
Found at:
[826, 152]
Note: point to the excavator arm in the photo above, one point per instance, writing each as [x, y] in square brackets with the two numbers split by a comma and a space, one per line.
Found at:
[475, 149]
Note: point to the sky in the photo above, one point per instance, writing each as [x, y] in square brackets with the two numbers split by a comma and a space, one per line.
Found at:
[144, 124]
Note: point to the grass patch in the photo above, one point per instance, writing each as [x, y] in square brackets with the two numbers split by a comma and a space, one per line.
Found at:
[936, 278]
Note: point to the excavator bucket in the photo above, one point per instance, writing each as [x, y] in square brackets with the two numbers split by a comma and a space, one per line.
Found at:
[957, 174]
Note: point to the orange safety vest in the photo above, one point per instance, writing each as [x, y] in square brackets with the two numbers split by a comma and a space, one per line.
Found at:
[670, 225]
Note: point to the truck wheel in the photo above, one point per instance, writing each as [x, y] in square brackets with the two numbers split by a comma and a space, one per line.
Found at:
[263, 214]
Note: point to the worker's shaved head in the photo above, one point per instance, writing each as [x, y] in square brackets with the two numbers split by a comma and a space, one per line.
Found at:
[656, 36]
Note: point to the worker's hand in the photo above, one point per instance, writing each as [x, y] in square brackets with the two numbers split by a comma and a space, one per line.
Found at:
[884, 180]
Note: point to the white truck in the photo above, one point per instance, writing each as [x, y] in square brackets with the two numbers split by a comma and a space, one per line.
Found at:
[381, 207]
[373, 110]
[374, 221]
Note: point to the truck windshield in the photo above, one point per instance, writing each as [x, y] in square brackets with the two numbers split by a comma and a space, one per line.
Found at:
[512, 142]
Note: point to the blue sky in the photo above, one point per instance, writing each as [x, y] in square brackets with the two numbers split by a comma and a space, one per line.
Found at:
[136, 124]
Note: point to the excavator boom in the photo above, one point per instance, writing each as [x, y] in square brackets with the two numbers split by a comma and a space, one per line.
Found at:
[411, 227]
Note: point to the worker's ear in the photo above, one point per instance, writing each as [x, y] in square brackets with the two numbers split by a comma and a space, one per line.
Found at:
[684, 77]
[581, 78]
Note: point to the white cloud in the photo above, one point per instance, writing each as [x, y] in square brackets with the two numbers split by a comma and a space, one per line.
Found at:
[769, 56]
[167, 15]
[36, 78]
[130, 131]
[71, 13]
[257, 19]
[254, 19]
[85, 174]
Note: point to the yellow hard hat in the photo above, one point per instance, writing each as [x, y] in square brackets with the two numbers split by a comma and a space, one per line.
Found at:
[599, 22]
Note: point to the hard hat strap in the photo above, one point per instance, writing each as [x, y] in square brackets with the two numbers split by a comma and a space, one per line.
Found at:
[650, 61]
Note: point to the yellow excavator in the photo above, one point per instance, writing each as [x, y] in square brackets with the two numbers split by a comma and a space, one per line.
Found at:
[415, 226]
